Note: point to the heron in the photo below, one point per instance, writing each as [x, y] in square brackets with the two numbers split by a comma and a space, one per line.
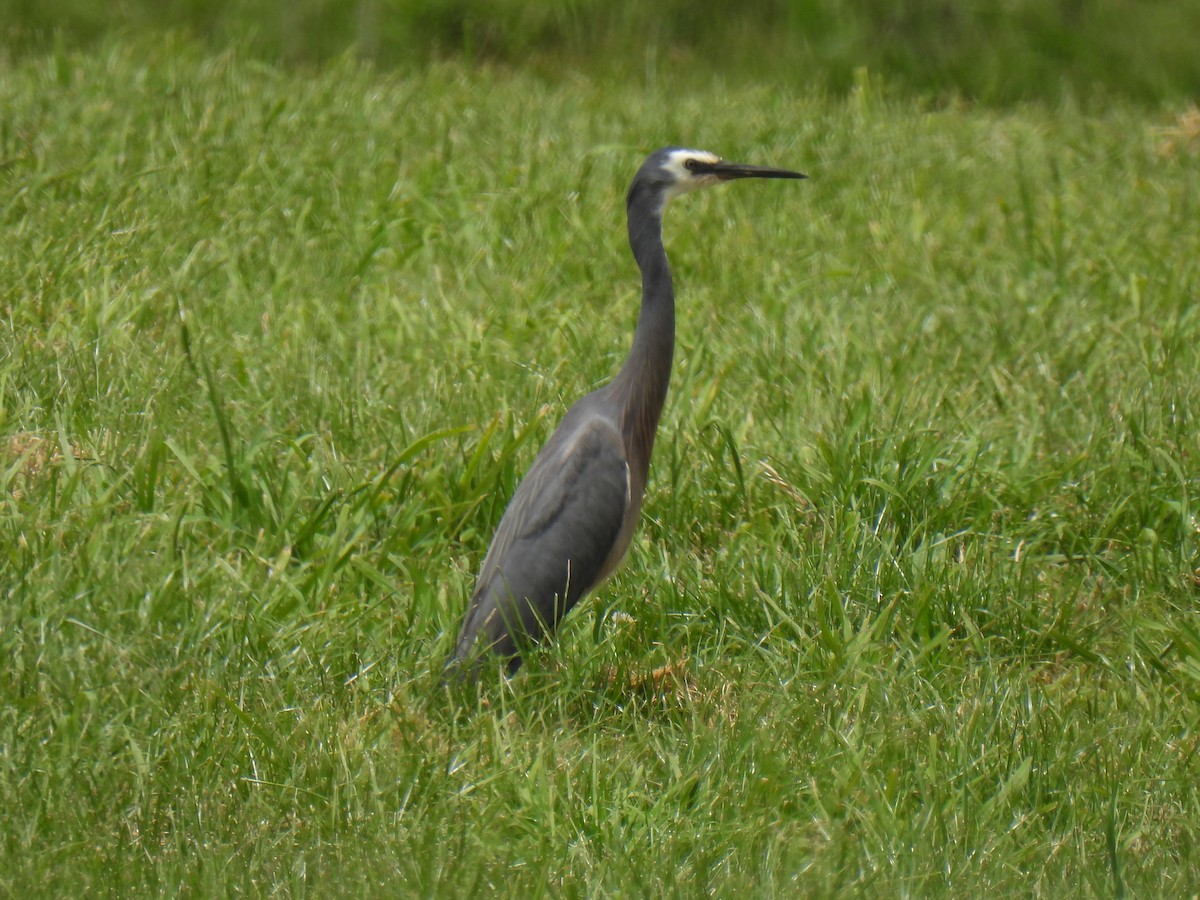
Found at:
[572, 517]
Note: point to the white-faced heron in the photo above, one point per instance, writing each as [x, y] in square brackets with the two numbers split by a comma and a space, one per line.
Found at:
[571, 519]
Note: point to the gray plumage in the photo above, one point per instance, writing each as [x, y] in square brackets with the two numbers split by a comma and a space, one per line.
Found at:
[571, 519]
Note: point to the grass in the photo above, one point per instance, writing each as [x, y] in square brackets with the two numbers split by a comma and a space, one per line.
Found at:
[996, 53]
[912, 610]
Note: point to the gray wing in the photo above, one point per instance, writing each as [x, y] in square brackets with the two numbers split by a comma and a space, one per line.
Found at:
[558, 531]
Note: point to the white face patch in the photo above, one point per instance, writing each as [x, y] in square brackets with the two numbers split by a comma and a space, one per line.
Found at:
[685, 180]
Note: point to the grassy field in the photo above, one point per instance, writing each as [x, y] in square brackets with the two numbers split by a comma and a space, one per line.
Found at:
[913, 608]
[1086, 51]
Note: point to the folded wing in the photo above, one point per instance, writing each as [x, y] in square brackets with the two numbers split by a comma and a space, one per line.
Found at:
[550, 549]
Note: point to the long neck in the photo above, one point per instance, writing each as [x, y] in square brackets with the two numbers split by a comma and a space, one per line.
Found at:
[644, 378]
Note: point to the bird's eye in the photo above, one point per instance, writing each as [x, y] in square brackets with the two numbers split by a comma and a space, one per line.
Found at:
[691, 164]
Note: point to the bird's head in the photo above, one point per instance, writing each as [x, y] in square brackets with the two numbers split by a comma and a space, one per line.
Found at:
[672, 171]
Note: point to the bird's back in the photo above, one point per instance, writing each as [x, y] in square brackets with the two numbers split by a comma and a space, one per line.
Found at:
[558, 537]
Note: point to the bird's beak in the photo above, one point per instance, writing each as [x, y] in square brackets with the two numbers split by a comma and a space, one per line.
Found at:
[727, 171]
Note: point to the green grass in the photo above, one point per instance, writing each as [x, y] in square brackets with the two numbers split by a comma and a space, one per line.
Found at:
[997, 53]
[913, 606]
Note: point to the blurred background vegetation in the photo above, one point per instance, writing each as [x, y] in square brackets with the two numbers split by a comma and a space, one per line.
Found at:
[988, 51]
